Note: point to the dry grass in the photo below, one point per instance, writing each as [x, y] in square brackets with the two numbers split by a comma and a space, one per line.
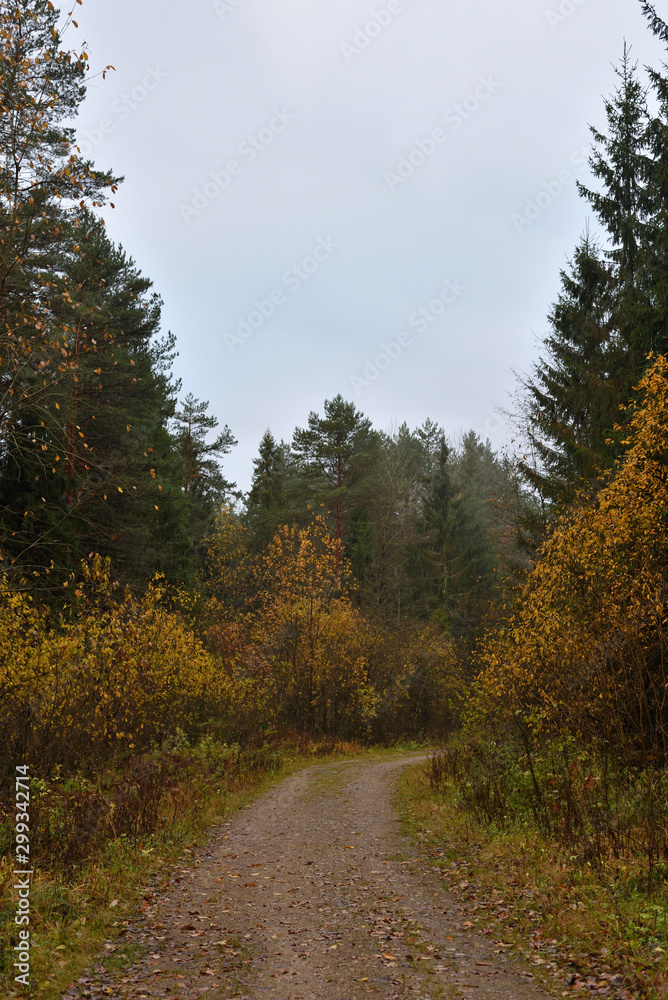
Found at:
[587, 932]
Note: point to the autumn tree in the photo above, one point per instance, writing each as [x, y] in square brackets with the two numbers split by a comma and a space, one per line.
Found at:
[310, 644]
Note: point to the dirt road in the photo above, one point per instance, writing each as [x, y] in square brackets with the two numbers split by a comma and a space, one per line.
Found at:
[311, 893]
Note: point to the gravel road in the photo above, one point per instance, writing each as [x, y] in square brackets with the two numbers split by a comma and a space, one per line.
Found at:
[310, 893]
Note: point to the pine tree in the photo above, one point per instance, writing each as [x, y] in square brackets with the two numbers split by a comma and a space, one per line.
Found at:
[44, 186]
[42, 176]
[101, 473]
[116, 419]
[335, 452]
[202, 474]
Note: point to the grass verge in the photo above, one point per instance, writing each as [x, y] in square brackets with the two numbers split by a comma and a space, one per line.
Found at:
[584, 931]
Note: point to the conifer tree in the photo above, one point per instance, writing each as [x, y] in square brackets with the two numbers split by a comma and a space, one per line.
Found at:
[44, 186]
[572, 398]
[653, 328]
[478, 481]
[204, 486]
[101, 474]
[268, 504]
[385, 548]
[437, 508]
[335, 452]
[620, 161]
[596, 348]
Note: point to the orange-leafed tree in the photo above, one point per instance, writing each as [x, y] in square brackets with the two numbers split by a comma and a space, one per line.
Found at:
[586, 652]
[311, 645]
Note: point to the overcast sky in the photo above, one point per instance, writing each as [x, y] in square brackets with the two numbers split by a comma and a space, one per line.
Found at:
[366, 198]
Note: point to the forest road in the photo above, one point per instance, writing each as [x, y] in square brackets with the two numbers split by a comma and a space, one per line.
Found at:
[311, 893]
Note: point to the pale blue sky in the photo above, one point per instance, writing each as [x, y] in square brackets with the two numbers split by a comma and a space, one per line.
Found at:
[334, 197]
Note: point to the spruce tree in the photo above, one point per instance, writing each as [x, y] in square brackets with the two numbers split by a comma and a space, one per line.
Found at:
[437, 515]
[653, 328]
[386, 538]
[596, 348]
[572, 398]
[620, 161]
[269, 501]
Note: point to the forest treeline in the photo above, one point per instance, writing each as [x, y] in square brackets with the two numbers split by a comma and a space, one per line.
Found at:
[332, 597]
[371, 584]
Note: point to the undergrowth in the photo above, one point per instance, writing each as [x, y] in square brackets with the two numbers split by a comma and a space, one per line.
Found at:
[586, 929]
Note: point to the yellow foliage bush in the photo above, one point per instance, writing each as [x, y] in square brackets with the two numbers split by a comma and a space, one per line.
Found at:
[586, 650]
[313, 643]
[111, 673]
[282, 646]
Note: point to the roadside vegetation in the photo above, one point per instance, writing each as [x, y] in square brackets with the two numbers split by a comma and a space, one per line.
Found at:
[580, 929]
